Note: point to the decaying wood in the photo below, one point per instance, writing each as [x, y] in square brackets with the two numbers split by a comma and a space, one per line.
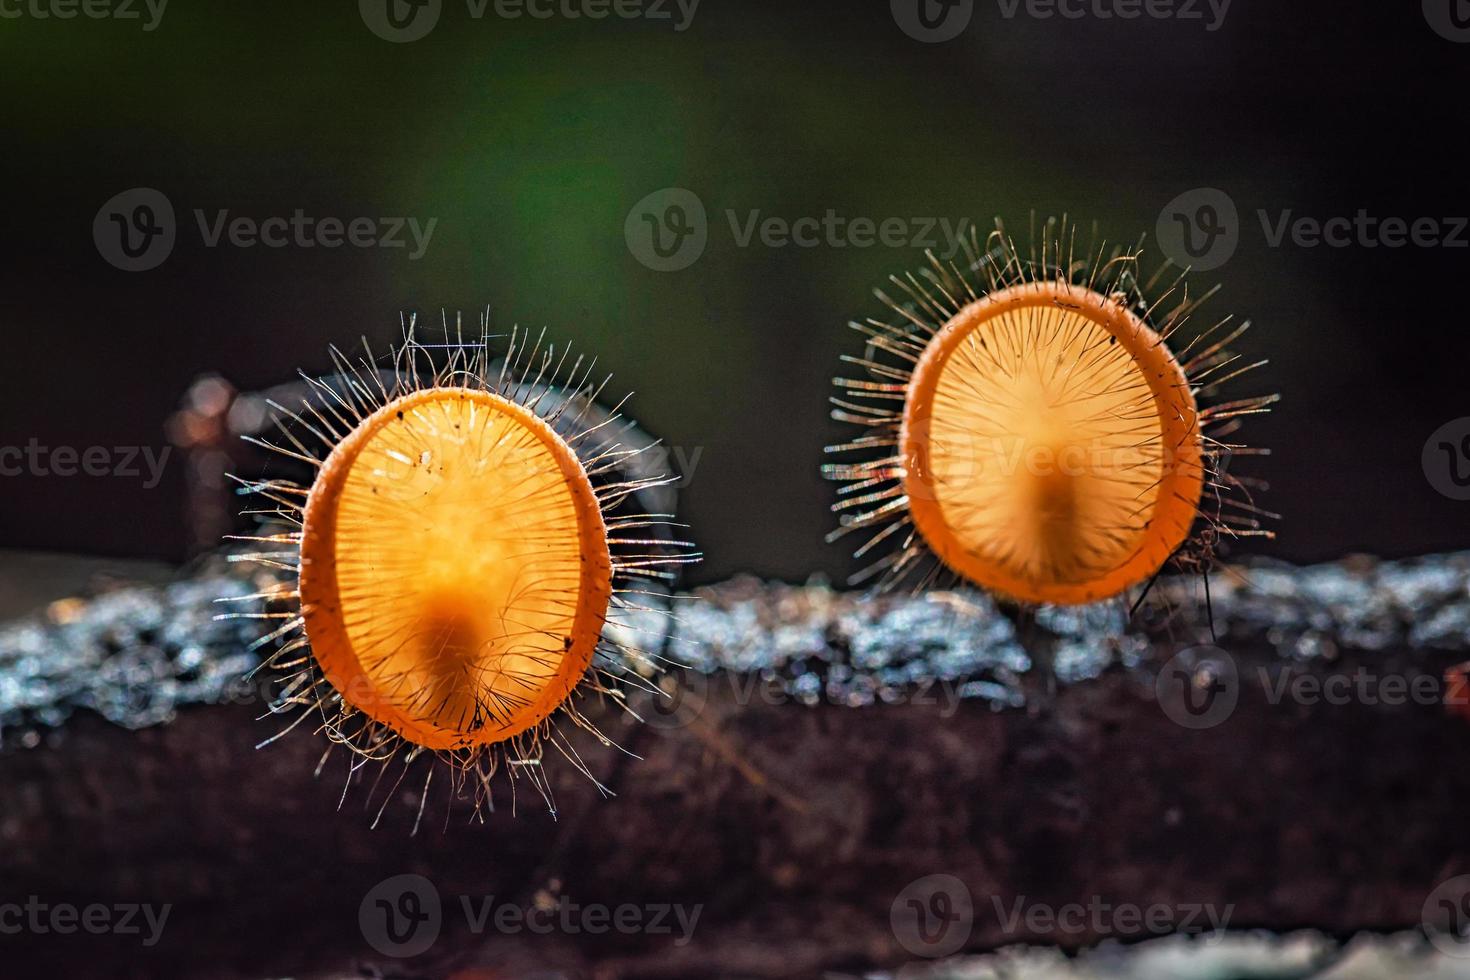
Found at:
[826, 751]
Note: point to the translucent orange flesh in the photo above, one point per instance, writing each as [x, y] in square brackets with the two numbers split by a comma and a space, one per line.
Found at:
[455, 572]
[1051, 445]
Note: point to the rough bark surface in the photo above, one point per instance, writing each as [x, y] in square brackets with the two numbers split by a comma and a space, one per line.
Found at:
[827, 751]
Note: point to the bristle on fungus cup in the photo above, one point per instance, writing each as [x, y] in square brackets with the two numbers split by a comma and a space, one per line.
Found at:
[1030, 428]
[464, 554]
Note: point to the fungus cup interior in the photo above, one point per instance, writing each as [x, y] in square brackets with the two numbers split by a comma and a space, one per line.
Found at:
[1051, 445]
[455, 568]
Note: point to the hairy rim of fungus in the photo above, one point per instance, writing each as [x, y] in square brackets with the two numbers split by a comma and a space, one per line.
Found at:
[471, 554]
[1035, 434]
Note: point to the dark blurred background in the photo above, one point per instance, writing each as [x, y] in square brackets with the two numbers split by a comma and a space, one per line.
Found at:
[531, 140]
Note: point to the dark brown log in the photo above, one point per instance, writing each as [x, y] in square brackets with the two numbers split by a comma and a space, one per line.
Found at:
[1026, 755]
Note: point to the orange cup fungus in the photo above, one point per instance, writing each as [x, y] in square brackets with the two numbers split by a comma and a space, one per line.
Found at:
[1038, 437]
[455, 572]
[471, 533]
